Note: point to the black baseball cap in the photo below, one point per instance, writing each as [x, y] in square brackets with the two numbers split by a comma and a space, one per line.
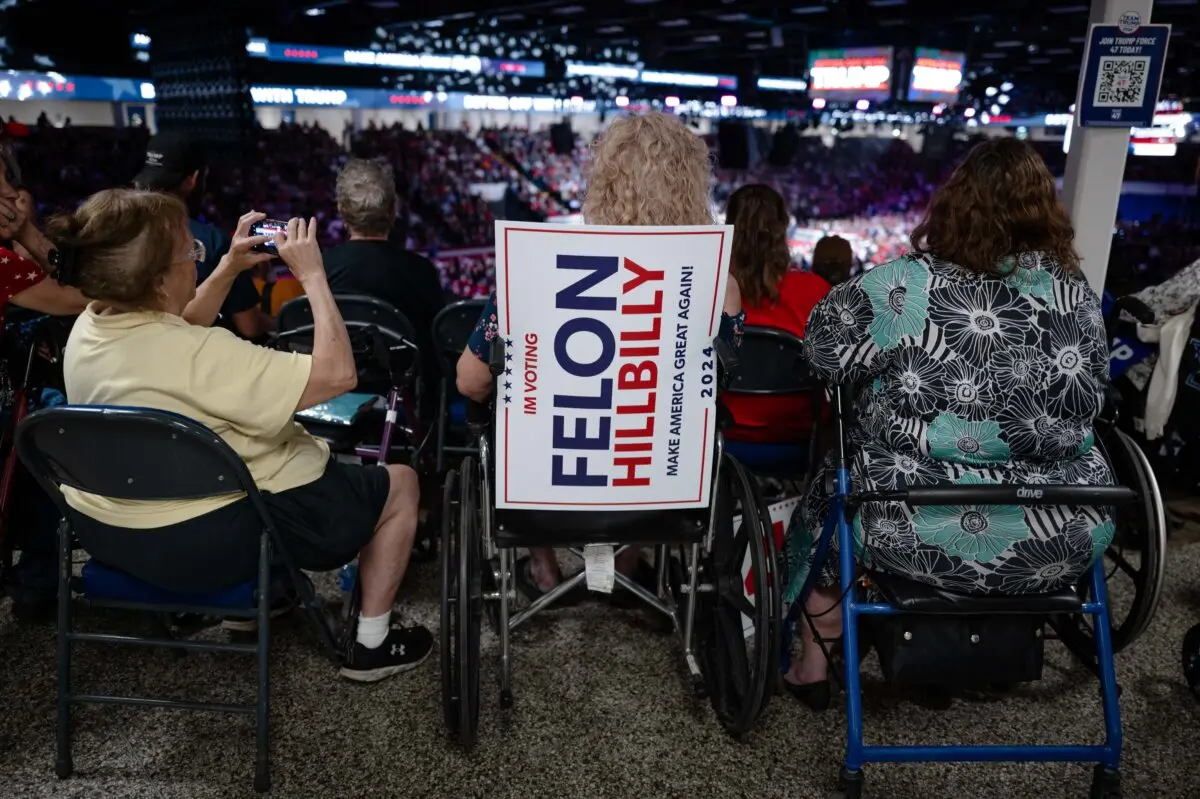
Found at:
[171, 158]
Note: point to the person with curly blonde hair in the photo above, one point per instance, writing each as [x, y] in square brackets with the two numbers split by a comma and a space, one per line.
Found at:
[646, 169]
[978, 358]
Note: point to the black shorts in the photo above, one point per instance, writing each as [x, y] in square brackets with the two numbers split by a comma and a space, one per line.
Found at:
[322, 525]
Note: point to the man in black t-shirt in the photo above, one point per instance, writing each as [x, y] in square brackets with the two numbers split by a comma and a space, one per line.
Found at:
[373, 265]
[177, 164]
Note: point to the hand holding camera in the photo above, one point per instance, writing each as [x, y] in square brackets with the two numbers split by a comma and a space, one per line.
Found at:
[248, 248]
[298, 248]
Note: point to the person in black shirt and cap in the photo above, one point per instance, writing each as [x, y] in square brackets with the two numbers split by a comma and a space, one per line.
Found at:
[177, 164]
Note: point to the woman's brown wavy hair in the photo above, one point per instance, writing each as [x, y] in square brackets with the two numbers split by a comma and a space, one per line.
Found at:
[760, 255]
[1001, 201]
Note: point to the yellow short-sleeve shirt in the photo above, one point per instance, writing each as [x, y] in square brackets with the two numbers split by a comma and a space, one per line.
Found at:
[245, 393]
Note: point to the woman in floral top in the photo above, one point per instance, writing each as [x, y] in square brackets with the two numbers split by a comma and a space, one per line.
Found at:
[979, 358]
[646, 170]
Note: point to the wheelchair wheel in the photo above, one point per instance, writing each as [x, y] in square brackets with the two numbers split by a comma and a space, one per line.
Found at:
[737, 639]
[1135, 561]
[470, 610]
[450, 601]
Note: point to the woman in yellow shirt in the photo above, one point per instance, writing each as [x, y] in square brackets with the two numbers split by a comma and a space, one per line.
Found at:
[131, 253]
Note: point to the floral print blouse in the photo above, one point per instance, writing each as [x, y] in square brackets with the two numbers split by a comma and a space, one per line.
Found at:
[965, 379]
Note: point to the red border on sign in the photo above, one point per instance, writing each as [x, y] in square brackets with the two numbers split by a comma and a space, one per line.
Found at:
[711, 319]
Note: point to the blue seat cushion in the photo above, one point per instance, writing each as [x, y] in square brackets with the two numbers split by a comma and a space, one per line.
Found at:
[774, 459]
[458, 413]
[104, 582]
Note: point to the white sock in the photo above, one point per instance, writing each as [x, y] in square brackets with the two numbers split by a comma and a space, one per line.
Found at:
[372, 630]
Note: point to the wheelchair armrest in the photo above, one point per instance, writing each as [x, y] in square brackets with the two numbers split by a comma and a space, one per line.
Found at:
[727, 361]
[497, 356]
[479, 416]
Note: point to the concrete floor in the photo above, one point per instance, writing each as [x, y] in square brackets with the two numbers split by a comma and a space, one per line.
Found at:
[602, 710]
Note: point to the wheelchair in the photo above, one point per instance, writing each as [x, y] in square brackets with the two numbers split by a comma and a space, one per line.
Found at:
[388, 396]
[730, 641]
[389, 369]
[919, 630]
[452, 327]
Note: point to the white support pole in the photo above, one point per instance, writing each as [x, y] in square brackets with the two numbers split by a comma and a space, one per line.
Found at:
[1096, 166]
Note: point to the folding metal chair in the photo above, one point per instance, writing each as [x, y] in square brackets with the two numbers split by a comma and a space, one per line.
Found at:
[150, 455]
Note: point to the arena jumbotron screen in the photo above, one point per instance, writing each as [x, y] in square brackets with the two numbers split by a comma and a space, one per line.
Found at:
[936, 76]
[863, 73]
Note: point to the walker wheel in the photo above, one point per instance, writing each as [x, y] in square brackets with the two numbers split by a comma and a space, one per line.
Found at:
[1191, 659]
[1106, 783]
[850, 785]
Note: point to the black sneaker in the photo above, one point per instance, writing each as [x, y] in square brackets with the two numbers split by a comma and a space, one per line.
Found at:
[404, 648]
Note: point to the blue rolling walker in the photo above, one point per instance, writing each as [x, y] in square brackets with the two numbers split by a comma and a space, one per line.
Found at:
[919, 629]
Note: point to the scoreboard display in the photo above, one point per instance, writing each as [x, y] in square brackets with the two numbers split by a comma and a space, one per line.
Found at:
[936, 76]
[861, 73]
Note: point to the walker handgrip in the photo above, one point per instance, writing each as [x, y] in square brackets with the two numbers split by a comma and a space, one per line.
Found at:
[1134, 307]
[1006, 495]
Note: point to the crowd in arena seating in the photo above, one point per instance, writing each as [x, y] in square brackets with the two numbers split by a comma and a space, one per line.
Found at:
[869, 190]
[558, 174]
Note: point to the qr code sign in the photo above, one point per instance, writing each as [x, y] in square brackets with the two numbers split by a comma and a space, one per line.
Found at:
[1122, 82]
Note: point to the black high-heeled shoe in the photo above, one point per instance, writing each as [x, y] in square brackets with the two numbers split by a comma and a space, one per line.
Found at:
[816, 696]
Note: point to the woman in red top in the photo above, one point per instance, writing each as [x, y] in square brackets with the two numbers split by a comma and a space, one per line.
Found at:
[774, 294]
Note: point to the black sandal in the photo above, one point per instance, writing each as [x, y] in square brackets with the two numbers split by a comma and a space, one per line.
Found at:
[528, 586]
[816, 696]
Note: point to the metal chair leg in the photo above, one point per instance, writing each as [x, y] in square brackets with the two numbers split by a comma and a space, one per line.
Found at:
[262, 766]
[64, 764]
[506, 695]
[441, 428]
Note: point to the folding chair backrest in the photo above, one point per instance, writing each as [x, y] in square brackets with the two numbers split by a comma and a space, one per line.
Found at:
[129, 454]
[357, 310]
[771, 361]
[451, 329]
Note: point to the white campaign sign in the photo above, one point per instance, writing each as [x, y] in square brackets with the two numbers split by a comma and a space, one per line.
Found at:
[608, 396]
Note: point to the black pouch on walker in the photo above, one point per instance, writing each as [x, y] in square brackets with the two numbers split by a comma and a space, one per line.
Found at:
[957, 651]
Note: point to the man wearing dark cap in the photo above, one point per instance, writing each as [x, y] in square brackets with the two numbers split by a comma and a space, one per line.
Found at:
[177, 164]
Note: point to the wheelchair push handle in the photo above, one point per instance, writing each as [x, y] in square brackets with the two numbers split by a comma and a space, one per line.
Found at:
[1127, 304]
[1025, 495]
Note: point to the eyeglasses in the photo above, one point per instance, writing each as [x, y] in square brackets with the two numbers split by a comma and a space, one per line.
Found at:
[197, 253]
